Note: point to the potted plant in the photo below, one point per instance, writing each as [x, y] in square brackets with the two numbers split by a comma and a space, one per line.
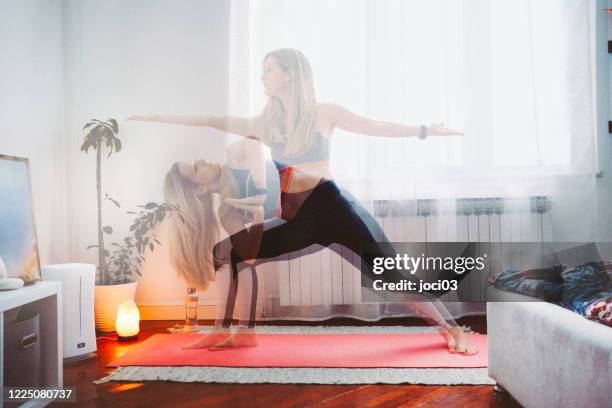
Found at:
[122, 265]
[116, 276]
[101, 132]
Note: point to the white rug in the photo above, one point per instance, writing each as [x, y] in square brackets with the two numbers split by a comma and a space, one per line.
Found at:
[250, 375]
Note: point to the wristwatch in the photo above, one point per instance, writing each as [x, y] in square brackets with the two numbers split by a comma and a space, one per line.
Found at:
[423, 132]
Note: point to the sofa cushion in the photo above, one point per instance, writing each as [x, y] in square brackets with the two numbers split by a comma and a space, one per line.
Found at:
[542, 283]
[587, 290]
[576, 253]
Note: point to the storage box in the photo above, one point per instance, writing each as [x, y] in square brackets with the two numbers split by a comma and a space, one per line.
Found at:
[22, 355]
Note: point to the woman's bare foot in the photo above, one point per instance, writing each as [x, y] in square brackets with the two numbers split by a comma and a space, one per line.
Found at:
[450, 340]
[242, 338]
[457, 340]
[462, 343]
[216, 336]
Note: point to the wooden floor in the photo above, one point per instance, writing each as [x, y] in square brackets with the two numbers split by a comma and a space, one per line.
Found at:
[167, 394]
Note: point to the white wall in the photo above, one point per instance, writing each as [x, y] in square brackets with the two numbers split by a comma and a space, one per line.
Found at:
[123, 58]
[31, 121]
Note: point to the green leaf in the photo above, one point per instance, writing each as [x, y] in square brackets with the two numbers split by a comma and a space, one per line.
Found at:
[86, 145]
[96, 133]
[107, 229]
[151, 247]
[92, 246]
[114, 201]
[114, 125]
[151, 205]
[117, 144]
[93, 122]
[110, 149]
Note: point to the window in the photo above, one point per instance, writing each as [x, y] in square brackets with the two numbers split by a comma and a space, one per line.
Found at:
[514, 77]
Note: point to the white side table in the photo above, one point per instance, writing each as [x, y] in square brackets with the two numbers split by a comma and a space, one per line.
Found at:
[46, 299]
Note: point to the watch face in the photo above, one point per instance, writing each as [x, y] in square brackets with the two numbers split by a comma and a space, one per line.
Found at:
[18, 244]
[423, 132]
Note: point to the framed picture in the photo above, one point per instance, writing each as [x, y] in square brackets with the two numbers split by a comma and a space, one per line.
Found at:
[18, 243]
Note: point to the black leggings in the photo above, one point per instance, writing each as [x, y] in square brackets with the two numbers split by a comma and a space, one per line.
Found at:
[324, 216]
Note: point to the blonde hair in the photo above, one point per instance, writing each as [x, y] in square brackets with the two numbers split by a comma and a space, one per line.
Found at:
[193, 230]
[292, 125]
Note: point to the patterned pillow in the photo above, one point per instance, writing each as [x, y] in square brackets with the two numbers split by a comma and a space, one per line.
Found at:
[588, 291]
[543, 283]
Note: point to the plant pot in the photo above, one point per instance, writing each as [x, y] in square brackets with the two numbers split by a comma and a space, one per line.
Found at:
[107, 300]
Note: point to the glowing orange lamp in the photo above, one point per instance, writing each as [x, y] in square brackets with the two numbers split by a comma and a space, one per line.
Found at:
[128, 321]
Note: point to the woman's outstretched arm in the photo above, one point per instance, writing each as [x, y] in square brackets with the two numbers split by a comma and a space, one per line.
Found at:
[242, 126]
[341, 117]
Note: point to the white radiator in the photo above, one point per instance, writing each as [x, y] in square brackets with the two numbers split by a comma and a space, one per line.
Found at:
[501, 225]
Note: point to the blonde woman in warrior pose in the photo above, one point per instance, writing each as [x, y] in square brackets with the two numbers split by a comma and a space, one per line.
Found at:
[314, 210]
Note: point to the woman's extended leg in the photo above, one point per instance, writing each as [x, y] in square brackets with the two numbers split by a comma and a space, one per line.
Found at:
[366, 230]
[361, 229]
[327, 217]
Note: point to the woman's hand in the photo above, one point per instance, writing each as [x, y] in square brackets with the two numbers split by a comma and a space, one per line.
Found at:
[439, 129]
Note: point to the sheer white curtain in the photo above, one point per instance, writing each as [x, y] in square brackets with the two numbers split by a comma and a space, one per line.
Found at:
[515, 78]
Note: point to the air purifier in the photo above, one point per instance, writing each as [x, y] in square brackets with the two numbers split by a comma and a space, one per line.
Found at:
[78, 280]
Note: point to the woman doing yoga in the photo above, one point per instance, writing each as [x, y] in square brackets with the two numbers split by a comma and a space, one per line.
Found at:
[313, 209]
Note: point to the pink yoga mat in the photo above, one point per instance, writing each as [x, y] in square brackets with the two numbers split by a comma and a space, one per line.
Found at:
[309, 350]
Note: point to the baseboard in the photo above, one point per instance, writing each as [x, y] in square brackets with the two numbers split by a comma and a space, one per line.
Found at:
[173, 312]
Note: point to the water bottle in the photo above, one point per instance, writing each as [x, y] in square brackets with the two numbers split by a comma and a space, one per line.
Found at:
[191, 311]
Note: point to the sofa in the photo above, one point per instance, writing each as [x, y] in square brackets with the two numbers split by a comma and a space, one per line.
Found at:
[545, 355]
